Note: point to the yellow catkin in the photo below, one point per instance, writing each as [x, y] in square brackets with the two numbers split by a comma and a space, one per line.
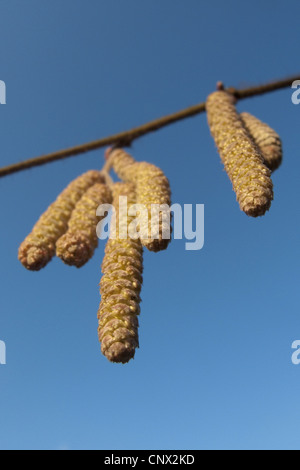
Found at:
[242, 159]
[267, 140]
[120, 285]
[152, 189]
[76, 247]
[39, 247]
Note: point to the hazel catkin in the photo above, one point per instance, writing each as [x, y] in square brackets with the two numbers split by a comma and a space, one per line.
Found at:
[153, 193]
[39, 246]
[242, 159]
[76, 247]
[120, 285]
[267, 140]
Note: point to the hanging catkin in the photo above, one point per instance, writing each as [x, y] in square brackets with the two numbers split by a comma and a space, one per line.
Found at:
[243, 162]
[120, 285]
[39, 247]
[152, 190]
[76, 247]
[267, 140]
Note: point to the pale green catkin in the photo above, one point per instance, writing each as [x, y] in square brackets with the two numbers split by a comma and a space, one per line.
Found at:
[120, 285]
[76, 247]
[266, 139]
[39, 246]
[242, 159]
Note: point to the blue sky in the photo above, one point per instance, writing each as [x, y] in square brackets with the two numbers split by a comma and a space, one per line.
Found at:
[214, 367]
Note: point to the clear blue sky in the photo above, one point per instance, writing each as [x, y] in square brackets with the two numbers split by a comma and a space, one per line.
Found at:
[214, 368]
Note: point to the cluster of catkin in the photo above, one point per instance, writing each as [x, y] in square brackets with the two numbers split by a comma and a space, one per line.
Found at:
[145, 186]
[68, 229]
[249, 149]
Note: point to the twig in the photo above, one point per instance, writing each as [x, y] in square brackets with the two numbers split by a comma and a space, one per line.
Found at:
[124, 139]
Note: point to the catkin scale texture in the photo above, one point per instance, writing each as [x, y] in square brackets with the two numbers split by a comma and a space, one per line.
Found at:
[267, 140]
[120, 286]
[242, 159]
[39, 246]
[152, 190]
[76, 247]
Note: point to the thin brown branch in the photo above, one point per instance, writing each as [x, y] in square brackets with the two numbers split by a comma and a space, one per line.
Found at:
[127, 137]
